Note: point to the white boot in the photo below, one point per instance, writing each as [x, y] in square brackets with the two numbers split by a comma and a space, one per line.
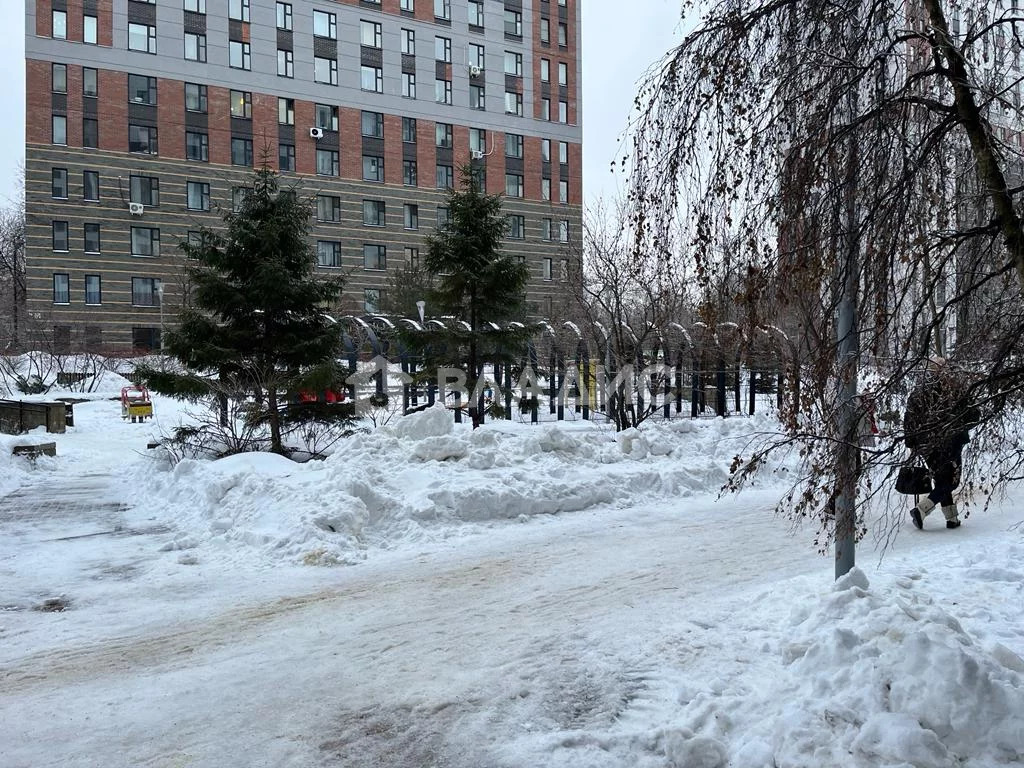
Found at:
[920, 512]
[952, 518]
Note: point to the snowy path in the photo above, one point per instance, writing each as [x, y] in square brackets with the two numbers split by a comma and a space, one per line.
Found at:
[503, 649]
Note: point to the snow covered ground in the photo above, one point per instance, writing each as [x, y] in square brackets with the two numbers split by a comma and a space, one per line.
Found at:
[551, 595]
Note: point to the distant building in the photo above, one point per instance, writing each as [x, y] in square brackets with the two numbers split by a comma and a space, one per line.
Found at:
[144, 119]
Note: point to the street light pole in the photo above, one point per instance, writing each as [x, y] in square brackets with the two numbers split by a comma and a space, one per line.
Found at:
[160, 299]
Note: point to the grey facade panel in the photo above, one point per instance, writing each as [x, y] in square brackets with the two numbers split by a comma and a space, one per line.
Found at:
[141, 114]
[241, 127]
[197, 120]
[373, 146]
[59, 103]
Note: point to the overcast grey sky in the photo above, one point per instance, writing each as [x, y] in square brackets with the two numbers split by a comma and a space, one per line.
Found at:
[620, 41]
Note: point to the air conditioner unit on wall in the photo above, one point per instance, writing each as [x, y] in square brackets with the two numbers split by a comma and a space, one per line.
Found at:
[136, 209]
[476, 154]
[316, 133]
[474, 70]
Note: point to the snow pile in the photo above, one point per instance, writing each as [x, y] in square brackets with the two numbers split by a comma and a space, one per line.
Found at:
[863, 677]
[425, 476]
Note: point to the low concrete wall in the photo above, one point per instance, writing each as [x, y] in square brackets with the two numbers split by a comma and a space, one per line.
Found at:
[18, 416]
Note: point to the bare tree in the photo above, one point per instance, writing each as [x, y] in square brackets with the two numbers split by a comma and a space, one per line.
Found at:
[12, 270]
[625, 295]
[862, 156]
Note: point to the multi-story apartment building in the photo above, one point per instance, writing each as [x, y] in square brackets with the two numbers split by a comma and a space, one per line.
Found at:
[145, 117]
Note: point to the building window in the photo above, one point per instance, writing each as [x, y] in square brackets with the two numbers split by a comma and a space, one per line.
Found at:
[373, 168]
[91, 237]
[372, 124]
[145, 241]
[328, 208]
[144, 189]
[238, 195]
[563, 152]
[286, 157]
[476, 13]
[563, 191]
[408, 6]
[443, 49]
[443, 134]
[516, 227]
[478, 140]
[408, 42]
[477, 56]
[513, 63]
[142, 89]
[326, 117]
[327, 162]
[445, 176]
[563, 112]
[409, 85]
[477, 97]
[61, 288]
[443, 216]
[286, 111]
[513, 185]
[443, 91]
[513, 145]
[443, 10]
[241, 152]
[89, 29]
[145, 292]
[545, 31]
[545, 109]
[563, 73]
[375, 256]
[370, 34]
[545, 188]
[90, 84]
[545, 229]
[142, 139]
[325, 70]
[197, 196]
[59, 130]
[197, 146]
[371, 79]
[195, 97]
[284, 16]
[146, 339]
[59, 78]
[371, 300]
[91, 186]
[196, 6]
[545, 150]
[60, 25]
[238, 10]
[513, 23]
[563, 231]
[195, 47]
[239, 55]
[59, 183]
[241, 104]
[411, 216]
[545, 70]
[409, 173]
[142, 37]
[325, 24]
[91, 133]
[412, 257]
[60, 235]
[328, 253]
[513, 103]
[93, 292]
[563, 35]
[409, 130]
[546, 268]
[373, 213]
[285, 63]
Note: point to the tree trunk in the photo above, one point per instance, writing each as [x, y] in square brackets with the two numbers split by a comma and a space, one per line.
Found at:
[976, 127]
[274, 419]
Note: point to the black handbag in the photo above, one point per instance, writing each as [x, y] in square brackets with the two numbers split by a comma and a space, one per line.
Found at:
[914, 480]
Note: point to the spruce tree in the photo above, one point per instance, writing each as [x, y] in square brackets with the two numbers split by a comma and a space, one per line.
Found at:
[255, 327]
[476, 283]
